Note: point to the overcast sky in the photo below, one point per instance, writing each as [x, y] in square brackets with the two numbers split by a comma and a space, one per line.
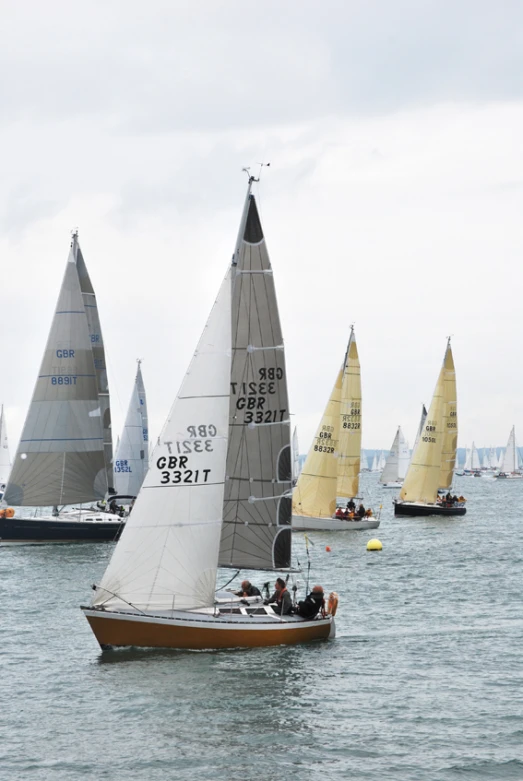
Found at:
[394, 197]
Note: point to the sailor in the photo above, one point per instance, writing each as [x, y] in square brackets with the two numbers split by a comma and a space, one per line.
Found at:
[339, 513]
[448, 498]
[312, 604]
[113, 507]
[346, 514]
[248, 590]
[281, 597]
[361, 511]
[350, 505]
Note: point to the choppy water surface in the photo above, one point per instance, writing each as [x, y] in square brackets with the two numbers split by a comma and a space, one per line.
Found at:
[424, 680]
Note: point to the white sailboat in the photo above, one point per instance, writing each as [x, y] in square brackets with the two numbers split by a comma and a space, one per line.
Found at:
[432, 464]
[510, 464]
[5, 459]
[397, 462]
[65, 451]
[472, 466]
[364, 463]
[218, 491]
[375, 463]
[330, 475]
[132, 453]
[381, 461]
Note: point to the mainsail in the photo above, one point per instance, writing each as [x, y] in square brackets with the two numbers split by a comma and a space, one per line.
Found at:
[60, 459]
[167, 556]
[315, 492]
[5, 460]
[256, 532]
[132, 454]
[364, 463]
[397, 462]
[422, 479]
[475, 463]
[510, 458]
[349, 445]
[97, 345]
[450, 421]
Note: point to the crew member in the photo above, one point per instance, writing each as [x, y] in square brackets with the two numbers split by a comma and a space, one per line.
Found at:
[248, 590]
[281, 597]
[361, 511]
[312, 604]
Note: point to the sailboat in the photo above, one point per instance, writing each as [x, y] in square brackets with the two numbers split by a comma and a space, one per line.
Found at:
[62, 457]
[381, 461]
[218, 490]
[510, 464]
[433, 460]
[132, 454]
[330, 475]
[397, 462]
[375, 462]
[472, 466]
[364, 463]
[5, 460]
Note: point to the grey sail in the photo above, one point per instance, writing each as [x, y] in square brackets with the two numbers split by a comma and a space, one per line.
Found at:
[256, 530]
[60, 458]
[97, 345]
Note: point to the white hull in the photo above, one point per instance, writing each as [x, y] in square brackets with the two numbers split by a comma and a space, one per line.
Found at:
[391, 485]
[301, 523]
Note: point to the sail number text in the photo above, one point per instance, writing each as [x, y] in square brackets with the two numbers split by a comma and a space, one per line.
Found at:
[175, 468]
[429, 428]
[324, 441]
[252, 397]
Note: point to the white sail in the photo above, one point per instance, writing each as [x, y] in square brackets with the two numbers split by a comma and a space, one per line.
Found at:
[475, 463]
[398, 460]
[492, 458]
[167, 556]
[467, 466]
[381, 461]
[132, 453]
[5, 459]
[500, 459]
[510, 458]
[364, 461]
[374, 467]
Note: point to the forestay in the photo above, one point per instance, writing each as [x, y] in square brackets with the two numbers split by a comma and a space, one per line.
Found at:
[60, 458]
[256, 531]
[422, 479]
[97, 346]
[167, 556]
[132, 453]
[349, 446]
[450, 421]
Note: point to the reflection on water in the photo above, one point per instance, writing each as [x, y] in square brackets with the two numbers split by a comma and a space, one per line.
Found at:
[423, 680]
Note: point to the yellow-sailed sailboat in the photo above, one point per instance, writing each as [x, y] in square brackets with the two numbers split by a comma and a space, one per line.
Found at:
[433, 460]
[330, 476]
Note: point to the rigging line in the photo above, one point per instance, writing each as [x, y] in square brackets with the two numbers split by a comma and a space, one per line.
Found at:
[229, 581]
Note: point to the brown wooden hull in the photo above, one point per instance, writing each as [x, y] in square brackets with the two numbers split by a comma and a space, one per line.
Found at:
[113, 631]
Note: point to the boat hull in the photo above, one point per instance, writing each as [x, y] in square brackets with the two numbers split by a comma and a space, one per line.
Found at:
[42, 530]
[303, 523]
[117, 630]
[411, 509]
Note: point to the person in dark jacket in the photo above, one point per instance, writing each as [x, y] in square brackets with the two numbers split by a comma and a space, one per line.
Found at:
[351, 506]
[361, 511]
[312, 604]
[248, 590]
[280, 601]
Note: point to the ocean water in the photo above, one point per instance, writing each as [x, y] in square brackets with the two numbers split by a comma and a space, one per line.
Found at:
[424, 680]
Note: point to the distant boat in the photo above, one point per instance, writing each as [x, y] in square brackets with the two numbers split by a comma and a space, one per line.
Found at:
[330, 476]
[510, 464]
[472, 466]
[132, 454]
[433, 460]
[397, 463]
[375, 463]
[218, 491]
[65, 452]
[364, 463]
[5, 459]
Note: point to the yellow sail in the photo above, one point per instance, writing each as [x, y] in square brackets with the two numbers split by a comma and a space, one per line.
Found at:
[349, 451]
[422, 479]
[315, 493]
[450, 421]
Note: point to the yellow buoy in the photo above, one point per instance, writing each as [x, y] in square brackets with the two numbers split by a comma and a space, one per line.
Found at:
[374, 545]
